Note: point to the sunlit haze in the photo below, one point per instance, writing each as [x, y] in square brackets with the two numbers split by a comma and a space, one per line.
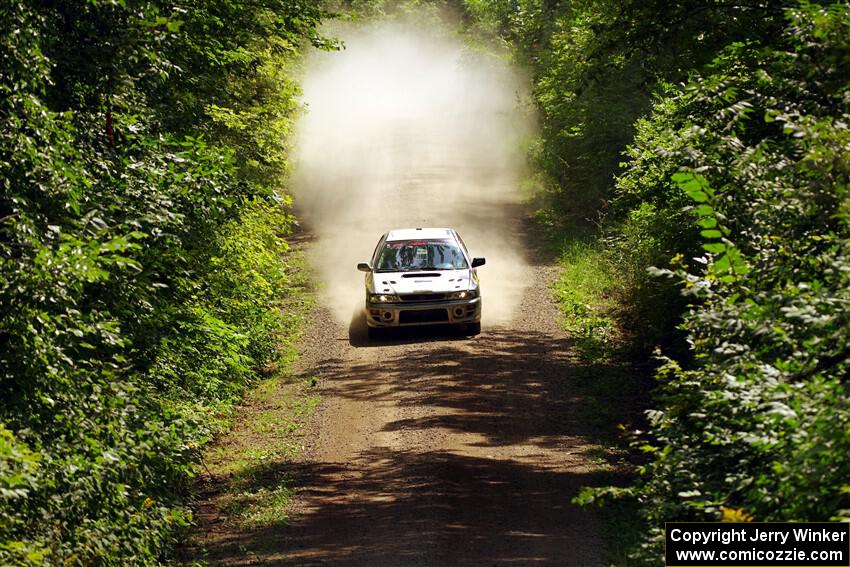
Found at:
[404, 129]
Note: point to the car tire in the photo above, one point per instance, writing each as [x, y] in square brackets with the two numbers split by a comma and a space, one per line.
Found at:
[374, 333]
[473, 329]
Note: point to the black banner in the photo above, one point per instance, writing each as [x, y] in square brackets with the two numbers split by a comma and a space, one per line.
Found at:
[757, 544]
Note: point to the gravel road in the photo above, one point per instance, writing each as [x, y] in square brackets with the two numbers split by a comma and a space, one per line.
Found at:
[432, 448]
[429, 447]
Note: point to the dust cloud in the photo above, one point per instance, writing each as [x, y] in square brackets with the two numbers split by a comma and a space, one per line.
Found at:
[409, 128]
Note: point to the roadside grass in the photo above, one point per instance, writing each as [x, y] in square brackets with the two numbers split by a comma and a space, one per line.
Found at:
[614, 396]
[585, 294]
[623, 531]
[243, 481]
[254, 490]
[295, 308]
[588, 290]
[590, 294]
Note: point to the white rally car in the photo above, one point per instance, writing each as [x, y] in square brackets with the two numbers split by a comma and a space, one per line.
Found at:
[422, 276]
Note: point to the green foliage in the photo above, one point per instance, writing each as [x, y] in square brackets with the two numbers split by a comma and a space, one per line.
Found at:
[596, 66]
[757, 420]
[586, 291]
[428, 13]
[142, 256]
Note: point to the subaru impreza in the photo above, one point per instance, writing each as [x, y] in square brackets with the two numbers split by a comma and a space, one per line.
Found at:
[422, 276]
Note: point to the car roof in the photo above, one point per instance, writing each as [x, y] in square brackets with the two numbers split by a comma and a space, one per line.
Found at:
[419, 233]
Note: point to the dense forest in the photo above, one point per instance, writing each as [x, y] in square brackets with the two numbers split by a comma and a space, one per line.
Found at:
[143, 146]
[692, 168]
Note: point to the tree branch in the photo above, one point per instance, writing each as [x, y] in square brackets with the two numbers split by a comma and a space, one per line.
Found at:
[824, 364]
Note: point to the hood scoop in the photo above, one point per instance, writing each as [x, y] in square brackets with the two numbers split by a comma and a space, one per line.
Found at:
[422, 275]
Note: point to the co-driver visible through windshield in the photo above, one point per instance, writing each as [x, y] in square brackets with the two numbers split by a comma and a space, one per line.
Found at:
[416, 255]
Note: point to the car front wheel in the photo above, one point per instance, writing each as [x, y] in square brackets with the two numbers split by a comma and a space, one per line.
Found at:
[473, 329]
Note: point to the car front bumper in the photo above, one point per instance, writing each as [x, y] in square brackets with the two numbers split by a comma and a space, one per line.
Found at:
[412, 314]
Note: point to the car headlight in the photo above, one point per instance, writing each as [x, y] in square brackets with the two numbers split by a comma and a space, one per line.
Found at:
[471, 294]
[382, 298]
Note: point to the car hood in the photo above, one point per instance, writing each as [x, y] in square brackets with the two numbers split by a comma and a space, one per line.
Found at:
[436, 281]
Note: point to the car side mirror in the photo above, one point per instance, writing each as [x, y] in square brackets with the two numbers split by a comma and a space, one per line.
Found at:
[478, 262]
[364, 267]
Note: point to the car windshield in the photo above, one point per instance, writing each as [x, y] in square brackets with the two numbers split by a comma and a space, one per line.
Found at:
[416, 255]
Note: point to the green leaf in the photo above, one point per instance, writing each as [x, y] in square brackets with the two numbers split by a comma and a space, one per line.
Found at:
[722, 264]
[695, 185]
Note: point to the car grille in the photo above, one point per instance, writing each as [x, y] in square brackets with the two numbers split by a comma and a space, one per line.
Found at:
[423, 297]
[423, 316]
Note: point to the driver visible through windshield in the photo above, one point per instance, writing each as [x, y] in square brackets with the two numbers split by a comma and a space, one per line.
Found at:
[415, 255]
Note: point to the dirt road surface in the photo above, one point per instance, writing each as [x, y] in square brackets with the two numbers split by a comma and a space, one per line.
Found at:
[433, 448]
[429, 448]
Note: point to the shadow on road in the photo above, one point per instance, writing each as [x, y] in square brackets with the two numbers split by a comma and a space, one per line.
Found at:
[426, 508]
[358, 335]
[511, 387]
[507, 392]
[488, 440]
